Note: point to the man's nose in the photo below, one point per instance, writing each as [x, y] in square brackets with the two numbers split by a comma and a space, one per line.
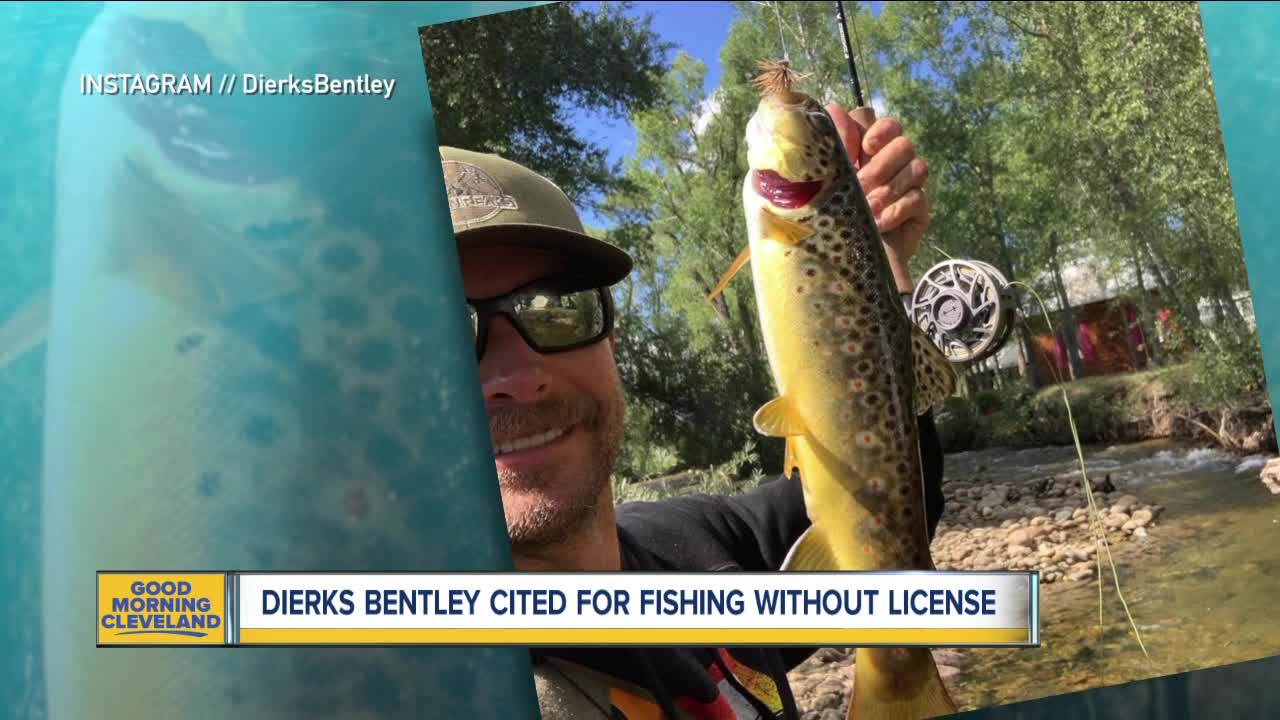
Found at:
[510, 370]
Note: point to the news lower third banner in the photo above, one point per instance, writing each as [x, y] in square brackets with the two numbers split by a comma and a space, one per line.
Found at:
[840, 609]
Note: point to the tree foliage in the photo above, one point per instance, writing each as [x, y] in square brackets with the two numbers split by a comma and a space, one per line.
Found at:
[509, 83]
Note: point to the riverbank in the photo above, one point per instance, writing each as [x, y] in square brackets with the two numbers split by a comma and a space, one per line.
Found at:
[1024, 524]
[1189, 572]
[1155, 404]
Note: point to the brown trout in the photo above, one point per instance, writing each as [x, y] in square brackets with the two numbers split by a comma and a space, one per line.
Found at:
[851, 370]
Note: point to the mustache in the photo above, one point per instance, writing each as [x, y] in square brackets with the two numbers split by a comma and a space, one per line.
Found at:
[509, 422]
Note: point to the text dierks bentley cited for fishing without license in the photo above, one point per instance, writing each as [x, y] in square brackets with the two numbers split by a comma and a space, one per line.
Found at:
[233, 84]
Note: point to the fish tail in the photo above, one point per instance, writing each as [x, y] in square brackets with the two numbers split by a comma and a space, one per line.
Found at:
[898, 684]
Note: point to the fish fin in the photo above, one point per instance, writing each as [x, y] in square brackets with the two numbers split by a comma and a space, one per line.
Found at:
[183, 254]
[782, 230]
[26, 329]
[790, 460]
[882, 695]
[778, 418]
[935, 377]
[737, 265]
[812, 552]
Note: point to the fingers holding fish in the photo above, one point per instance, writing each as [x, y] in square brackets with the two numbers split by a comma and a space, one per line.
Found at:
[850, 133]
[909, 212]
[911, 177]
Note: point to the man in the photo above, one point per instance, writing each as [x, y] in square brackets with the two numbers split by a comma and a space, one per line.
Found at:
[538, 288]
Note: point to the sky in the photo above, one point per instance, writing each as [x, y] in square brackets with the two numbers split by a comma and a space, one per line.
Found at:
[700, 29]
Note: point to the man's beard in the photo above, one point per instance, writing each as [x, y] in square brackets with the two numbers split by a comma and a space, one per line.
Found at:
[558, 502]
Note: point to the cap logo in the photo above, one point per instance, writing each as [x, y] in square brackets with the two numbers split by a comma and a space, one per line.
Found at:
[474, 195]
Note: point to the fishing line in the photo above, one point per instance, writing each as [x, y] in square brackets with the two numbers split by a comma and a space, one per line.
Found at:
[782, 37]
[1095, 523]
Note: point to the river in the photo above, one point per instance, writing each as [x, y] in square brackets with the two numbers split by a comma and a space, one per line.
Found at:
[1200, 586]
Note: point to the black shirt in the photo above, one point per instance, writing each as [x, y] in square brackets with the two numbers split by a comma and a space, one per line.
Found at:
[749, 532]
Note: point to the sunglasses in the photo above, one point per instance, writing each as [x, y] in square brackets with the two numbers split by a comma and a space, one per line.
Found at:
[551, 314]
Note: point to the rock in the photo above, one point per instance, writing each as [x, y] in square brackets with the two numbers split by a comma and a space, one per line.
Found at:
[1019, 550]
[1271, 475]
[1051, 576]
[1058, 536]
[954, 658]
[1039, 520]
[1007, 524]
[987, 511]
[1104, 485]
[1140, 532]
[1063, 515]
[831, 655]
[1115, 520]
[1124, 504]
[1058, 554]
[1143, 517]
[1080, 572]
[1130, 526]
[1025, 536]
[948, 673]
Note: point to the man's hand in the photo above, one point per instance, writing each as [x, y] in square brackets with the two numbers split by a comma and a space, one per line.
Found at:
[893, 180]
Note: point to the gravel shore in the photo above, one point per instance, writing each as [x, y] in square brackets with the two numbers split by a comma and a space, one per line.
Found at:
[1041, 525]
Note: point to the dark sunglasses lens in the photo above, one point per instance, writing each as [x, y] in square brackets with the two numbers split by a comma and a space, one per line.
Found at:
[555, 320]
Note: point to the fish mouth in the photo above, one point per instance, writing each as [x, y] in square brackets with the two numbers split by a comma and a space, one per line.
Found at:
[205, 136]
[783, 193]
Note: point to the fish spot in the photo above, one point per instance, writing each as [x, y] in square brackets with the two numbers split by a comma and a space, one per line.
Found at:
[824, 222]
[341, 258]
[839, 287]
[851, 347]
[279, 342]
[345, 311]
[262, 430]
[375, 356]
[904, 490]
[857, 385]
[262, 556]
[209, 482]
[810, 272]
[844, 321]
[902, 468]
[872, 400]
[866, 439]
[356, 503]
[836, 198]
[189, 342]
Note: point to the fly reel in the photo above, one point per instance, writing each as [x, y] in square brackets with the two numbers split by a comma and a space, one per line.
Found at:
[966, 309]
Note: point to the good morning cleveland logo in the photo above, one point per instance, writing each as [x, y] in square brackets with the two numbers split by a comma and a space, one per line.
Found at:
[161, 609]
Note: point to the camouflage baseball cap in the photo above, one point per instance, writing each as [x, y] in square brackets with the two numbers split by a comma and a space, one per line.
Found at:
[497, 203]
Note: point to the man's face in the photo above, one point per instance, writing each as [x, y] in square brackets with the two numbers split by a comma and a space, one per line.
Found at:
[556, 419]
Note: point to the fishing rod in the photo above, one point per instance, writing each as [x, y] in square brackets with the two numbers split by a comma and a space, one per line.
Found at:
[965, 306]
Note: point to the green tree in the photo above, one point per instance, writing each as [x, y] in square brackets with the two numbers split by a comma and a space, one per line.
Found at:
[509, 84]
